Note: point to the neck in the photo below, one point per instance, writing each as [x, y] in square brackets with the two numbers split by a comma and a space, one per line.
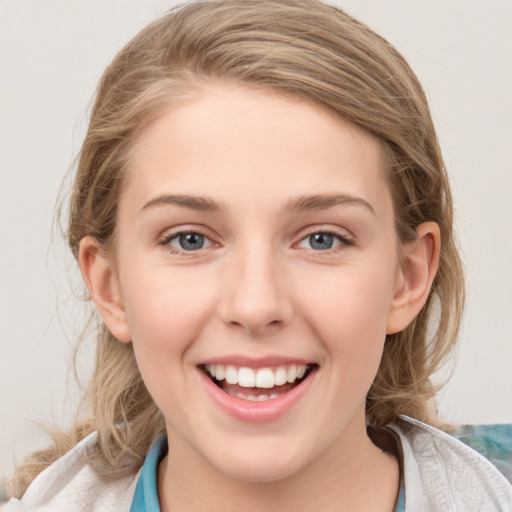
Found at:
[351, 475]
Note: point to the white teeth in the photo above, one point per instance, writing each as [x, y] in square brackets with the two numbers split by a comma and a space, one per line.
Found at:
[264, 378]
[246, 378]
[231, 375]
[254, 398]
[280, 376]
[220, 372]
[301, 370]
[291, 375]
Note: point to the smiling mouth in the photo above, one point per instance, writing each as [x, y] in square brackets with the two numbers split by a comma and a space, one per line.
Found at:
[257, 385]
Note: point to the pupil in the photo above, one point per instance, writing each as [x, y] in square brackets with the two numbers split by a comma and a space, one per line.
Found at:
[321, 241]
[191, 241]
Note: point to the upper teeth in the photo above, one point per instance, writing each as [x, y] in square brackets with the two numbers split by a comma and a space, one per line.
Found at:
[262, 378]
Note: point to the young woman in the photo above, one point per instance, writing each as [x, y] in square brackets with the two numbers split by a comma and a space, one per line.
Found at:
[263, 220]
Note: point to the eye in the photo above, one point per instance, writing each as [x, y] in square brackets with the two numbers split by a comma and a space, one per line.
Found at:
[323, 241]
[189, 241]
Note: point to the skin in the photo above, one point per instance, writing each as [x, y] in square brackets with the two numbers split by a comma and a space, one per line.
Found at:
[259, 288]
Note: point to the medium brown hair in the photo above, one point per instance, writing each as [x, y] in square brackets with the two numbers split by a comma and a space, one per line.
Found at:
[298, 47]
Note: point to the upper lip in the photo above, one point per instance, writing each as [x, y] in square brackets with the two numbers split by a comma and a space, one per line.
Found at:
[256, 362]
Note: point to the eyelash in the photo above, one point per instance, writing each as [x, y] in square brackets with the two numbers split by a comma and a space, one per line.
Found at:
[343, 241]
[167, 239]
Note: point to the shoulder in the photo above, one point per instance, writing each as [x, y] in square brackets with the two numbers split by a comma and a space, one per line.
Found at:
[494, 442]
[71, 484]
[443, 473]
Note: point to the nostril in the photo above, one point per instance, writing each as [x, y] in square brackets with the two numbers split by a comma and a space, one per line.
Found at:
[257, 325]
[256, 301]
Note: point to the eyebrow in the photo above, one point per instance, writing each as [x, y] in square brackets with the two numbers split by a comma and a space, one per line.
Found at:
[316, 202]
[319, 202]
[199, 203]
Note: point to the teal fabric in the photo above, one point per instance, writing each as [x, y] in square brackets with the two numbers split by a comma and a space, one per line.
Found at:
[493, 441]
[400, 504]
[145, 498]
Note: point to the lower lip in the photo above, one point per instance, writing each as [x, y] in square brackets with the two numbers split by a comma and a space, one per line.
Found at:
[256, 412]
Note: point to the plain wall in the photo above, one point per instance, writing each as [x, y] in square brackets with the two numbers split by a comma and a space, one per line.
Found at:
[52, 54]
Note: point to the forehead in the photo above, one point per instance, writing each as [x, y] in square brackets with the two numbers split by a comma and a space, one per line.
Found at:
[229, 139]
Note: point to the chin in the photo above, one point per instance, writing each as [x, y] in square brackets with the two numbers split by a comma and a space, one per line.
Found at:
[261, 466]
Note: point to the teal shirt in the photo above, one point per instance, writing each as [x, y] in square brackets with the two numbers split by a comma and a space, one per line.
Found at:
[493, 441]
[145, 498]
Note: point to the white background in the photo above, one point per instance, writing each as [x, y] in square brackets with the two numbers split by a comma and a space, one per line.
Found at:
[52, 53]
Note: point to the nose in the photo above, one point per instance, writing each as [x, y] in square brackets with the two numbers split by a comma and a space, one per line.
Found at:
[256, 295]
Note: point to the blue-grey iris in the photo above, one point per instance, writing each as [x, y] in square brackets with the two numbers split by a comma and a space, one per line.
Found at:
[321, 241]
[191, 241]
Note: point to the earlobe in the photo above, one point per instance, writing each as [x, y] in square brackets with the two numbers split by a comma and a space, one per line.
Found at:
[418, 270]
[102, 282]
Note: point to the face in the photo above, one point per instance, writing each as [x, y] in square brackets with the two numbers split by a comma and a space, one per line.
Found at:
[257, 266]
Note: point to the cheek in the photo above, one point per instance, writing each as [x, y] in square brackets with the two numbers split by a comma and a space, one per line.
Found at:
[166, 312]
[165, 315]
[351, 304]
[164, 304]
[348, 314]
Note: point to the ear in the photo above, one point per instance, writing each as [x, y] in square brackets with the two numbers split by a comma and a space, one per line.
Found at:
[103, 284]
[418, 269]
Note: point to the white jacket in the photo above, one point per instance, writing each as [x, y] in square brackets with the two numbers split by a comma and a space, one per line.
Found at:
[441, 474]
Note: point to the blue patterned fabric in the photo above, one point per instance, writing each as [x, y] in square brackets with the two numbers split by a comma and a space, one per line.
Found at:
[494, 442]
